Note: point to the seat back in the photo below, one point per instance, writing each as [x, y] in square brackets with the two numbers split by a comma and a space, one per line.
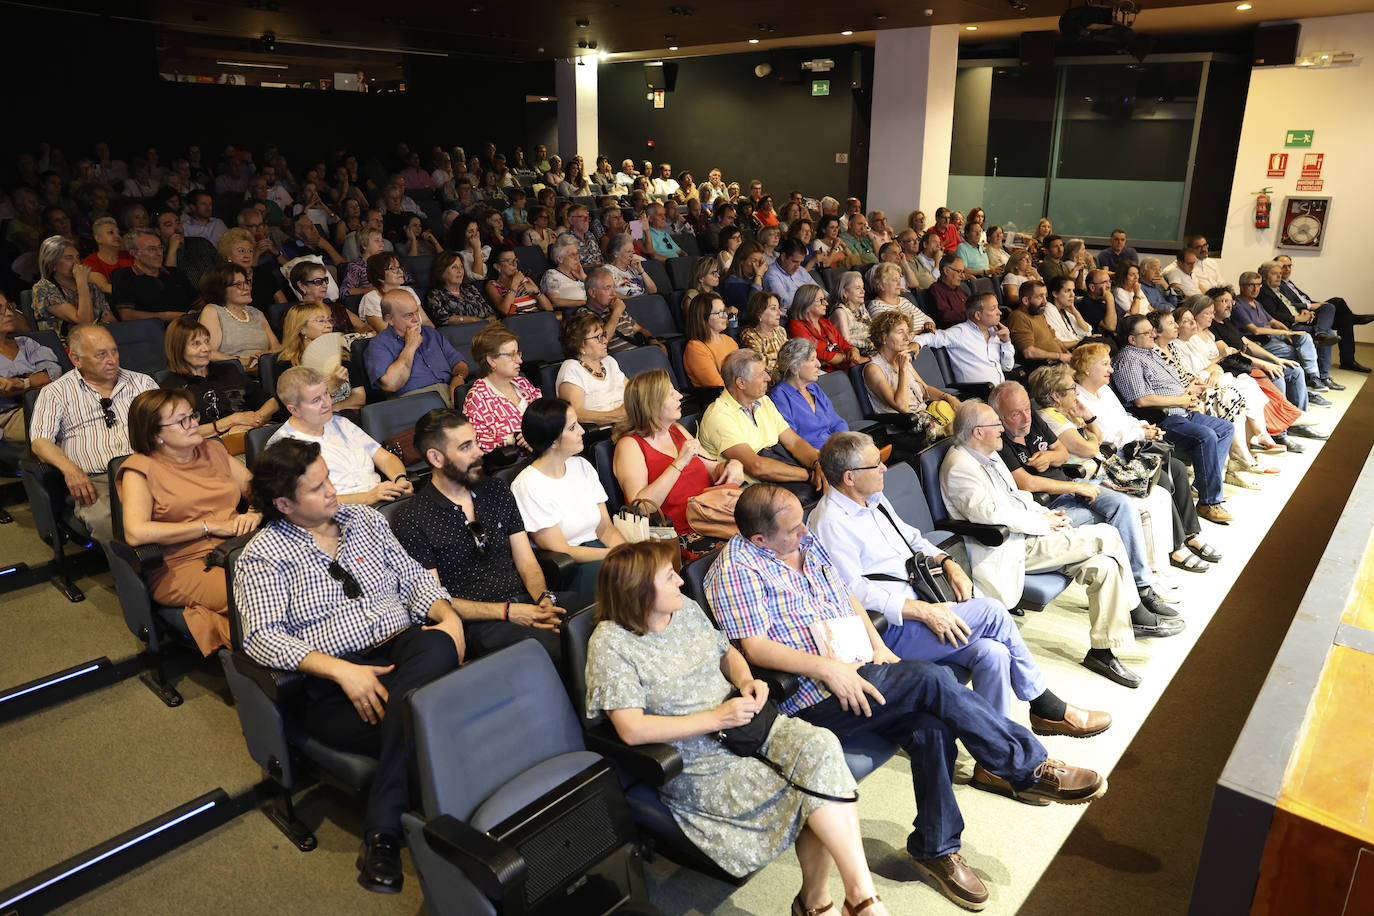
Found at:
[903, 488]
[576, 631]
[50, 340]
[644, 359]
[652, 311]
[417, 268]
[531, 260]
[538, 333]
[546, 379]
[256, 440]
[390, 509]
[688, 243]
[689, 422]
[840, 388]
[140, 344]
[659, 274]
[694, 581]
[357, 368]
[460, 336]
[390, 418]
[930, 369]
[860, 390]
[267, 374]
[928, 464]
[276, 315]
[603, 459]
[680, 272]
[478, 727]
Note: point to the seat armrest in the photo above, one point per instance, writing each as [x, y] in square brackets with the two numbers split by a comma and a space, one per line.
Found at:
[495, 868]
[652, 764]
[558, 568]
[275, 683]
[987, 535]
[1148, 414]
[971, 389]
[781, 684]
[143, 559]
[1074, 471]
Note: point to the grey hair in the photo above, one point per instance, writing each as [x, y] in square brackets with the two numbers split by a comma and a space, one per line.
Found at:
[50, 252]
[1247, 277]
[561, 246]
[882, 270]
[846, 280]
[1268, 266]
[1145, 262]
[292, 383]
[841, 453]
[105, 221]
[803, 299]
[617, 244]
[737, 366]
[1047, 380]
[1071, 248]
[1000, 391]
[966, 420]
[600, 274]
[829, 201]
[792, 354]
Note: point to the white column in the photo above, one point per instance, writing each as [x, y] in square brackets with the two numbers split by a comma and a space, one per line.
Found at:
[912, 121]
[577, 119]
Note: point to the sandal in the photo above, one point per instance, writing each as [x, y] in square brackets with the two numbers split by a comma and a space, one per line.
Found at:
[855, 909]
[799, 910]
[1202, 549]
[1189, 563]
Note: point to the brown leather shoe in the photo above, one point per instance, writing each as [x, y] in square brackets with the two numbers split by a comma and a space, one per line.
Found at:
[1059, 782]
[1077, 723]
[1214, 513]
[955, 880]
[991, 782]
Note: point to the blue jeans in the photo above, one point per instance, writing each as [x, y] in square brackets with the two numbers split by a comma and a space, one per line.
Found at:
[1116, 510]
[995, 653]
[1294, 386]
[1298, 348]
[926, 710]
[1208, 440]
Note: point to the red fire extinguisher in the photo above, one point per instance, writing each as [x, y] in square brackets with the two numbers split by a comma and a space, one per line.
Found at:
[1262, 209]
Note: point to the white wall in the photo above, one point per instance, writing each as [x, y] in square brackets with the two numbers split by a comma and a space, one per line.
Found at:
[1336, 103]
[578, 121]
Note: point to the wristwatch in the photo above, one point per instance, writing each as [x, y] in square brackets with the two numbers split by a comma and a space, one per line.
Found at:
[547, 594]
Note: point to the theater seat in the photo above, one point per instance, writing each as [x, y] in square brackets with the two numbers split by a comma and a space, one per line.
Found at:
[516, 814]
[140, 344]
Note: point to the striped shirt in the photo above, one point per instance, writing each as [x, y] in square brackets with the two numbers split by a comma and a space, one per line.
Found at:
[68, 413]
[291, 605]
[753, 593]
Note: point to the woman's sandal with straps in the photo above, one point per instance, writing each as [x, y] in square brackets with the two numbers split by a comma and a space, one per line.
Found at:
[799, 910]
[854, 909]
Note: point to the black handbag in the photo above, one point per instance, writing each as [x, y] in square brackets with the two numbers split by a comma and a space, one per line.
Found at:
[1236, 364]
[926, 577]
[746, 741]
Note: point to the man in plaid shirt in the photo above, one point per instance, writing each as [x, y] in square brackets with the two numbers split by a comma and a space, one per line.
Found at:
[771, 582]
[326, 589]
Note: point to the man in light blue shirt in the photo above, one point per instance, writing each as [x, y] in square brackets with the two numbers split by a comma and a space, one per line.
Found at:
[979, 349]
[786, 275]
[870, 546]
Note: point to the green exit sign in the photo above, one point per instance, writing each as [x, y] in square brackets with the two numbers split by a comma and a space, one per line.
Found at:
[820, 87]
[1298, 138]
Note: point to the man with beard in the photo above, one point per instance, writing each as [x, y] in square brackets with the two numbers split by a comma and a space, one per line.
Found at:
[1031, 333]
[466, 529]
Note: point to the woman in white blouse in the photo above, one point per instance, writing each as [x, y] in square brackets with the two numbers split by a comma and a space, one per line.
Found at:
[1130, 298]
[560, 497]
[589, 379]
[627, 268]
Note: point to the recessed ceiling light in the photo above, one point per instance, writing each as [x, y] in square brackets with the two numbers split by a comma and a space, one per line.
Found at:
[847, 32]
[970, 28]
[753, 41]
[603, 55]
[672, 47]
[1243, 7]
[543, 98]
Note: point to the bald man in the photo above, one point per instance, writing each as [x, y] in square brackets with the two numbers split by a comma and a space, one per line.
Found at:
[81, 421]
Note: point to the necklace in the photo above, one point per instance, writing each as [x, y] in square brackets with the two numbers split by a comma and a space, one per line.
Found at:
[599, 372]
[244, 320]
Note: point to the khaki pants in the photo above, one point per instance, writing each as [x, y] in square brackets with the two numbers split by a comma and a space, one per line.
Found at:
[443, 391]
[12, 425]
[96, 516]
[1094, 556]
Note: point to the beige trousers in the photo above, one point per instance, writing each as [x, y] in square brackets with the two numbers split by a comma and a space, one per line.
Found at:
[1095, 558]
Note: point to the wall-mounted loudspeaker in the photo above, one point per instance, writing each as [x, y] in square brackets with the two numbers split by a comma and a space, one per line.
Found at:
[660, 75]
[1276, 46]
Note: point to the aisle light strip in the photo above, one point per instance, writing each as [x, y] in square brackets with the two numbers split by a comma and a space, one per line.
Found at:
[105, 855]
[57, 680]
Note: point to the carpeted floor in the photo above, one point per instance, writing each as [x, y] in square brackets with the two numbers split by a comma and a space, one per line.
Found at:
[81, 772]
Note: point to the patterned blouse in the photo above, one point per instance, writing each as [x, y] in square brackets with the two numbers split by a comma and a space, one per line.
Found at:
[494, 417]
[47, 294]
[469, 302]
[766, 345]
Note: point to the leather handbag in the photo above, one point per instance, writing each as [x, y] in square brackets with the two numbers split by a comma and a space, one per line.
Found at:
[711, 513]
[402, 445]
[747, 741]
[1236, 364]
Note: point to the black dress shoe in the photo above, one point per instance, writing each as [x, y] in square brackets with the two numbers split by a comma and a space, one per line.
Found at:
[1112, 669]
[1325, 339]
[1353, 366]
[1293, 447]
[1155, 604]
[1332, 383]
[1306, 432]
[379, 864]
[1160, 628]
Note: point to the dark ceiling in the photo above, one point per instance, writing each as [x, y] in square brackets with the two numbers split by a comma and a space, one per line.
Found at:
[499, 29]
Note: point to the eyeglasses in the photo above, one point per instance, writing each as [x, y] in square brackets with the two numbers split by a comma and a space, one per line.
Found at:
[190, 421]
[514, 354]
[479, 537]
[107, 412]
[598, 336]
[352, 590]
[396, 267]
[716, 315]
[867, 467]
[318, 281]
[990, 426]
[240, 284]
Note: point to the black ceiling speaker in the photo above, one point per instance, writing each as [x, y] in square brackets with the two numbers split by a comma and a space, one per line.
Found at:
[660, 75]
[1276, 46]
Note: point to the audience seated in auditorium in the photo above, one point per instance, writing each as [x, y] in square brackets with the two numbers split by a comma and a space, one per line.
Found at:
[237, 329]
[410, 354]
[498, 398]
[609, 308]
[580, 227]
[229, 402]
[1117, 250]
[895, 387]
[305, 322]
[454, 297]
[1030, 329]
[1316, 321]
[1127, 290]
[24, 364]
[1285, 342]
[786, 275]
[66, 293]
[744, 424]
[1157, 290]
[560, 496]
[746, 276]
[887, 296]
[589, 379]
[806, 319]
[237, 246]
[310, 282]
[872, 549]
[627, 267]
[972, 252]
[182, 491]
[661, 672]
[1097, 305]
[1343, 323]
[858, 240]
[1030, 451]
[146, 289]
[355, 247]
[707, 343]
[762, 331]
[948, 294]
[658, 241]
[1180, 275]
[563, 284]
[109, 254]
[703, 278]
[81, 421]
[327, 590]
[511, 292]
[849, 312]
[1144, 379]
[385, 273]
[773, 579]
[360, 469]
[1206, 274]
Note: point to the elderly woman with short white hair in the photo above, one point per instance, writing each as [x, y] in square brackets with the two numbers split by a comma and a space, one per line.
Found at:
[798, 395]
[627, 268]
[849, 313]
[565, 284]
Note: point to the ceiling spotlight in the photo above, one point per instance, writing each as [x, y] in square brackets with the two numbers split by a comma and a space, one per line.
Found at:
[1020, 6]
[847, 32]
[582, 43]
[753, 41]
[970, 28]
[592, 45]
[1243, 7]
[269, 41]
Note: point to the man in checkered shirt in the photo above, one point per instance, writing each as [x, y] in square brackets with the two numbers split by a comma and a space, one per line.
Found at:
[772, 582]
[326, 589]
